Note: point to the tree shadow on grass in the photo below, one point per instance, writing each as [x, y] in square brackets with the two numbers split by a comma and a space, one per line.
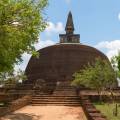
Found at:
[21, 116]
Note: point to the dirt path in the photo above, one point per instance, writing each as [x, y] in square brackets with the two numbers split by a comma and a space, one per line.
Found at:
[47, 113]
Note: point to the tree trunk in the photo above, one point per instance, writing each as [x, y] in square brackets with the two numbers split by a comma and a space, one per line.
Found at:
[115, 111]
[99, 94]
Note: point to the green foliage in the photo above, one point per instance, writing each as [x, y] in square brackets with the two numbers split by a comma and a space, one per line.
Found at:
[116, 64]
[21, 21]
[118, 61]
[98, 76]
[10, 78]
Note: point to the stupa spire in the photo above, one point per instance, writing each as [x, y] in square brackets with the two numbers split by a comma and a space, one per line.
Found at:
[69, 25]
[69, 37]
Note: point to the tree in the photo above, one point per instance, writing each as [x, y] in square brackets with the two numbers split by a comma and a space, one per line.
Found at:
[118, 61]
[21, 21]
[99, 76]
[115, 60]
[11, 78]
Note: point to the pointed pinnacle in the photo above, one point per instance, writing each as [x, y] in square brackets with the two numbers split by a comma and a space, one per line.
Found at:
[69, 25]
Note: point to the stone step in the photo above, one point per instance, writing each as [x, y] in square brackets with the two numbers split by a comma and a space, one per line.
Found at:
[66, 87]
[60, 92]
[58, 102]
[62, 96]
[56, 105]
[65, 90]
[68, 102]
[55, 100]
[74, 97]
[55, 96]
[36, 99]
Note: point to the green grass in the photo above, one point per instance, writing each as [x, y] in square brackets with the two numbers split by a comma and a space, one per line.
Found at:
[107, 110]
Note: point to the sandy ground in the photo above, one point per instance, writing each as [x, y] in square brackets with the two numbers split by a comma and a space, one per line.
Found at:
[47, 113]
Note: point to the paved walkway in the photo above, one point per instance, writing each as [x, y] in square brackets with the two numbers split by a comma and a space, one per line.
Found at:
[47, 113]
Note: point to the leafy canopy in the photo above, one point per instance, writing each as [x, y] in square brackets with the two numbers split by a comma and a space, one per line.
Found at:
[116, 64]
[21, 21]
[10, 78]
[98, 76]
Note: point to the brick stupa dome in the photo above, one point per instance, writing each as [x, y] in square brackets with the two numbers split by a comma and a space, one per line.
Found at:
[60, 61]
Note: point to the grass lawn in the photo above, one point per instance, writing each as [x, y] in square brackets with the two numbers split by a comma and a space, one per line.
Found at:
[107, 110]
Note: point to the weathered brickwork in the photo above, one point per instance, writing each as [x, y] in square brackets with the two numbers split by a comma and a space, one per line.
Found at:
[59, 62]
[91, 112]
[15, 105]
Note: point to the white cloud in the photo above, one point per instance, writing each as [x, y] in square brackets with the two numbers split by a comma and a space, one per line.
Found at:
[68, 1]
[26, 57]
[54, 28]
[119, 16]
[42, 44]
[23, 65]
[111, 47]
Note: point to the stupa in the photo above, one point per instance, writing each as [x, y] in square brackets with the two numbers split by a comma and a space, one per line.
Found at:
[58, 63]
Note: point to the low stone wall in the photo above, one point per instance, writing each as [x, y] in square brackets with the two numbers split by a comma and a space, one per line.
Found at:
[14, 105]
[91, 112]
[14, 94]
[4, 110]
[105, 98]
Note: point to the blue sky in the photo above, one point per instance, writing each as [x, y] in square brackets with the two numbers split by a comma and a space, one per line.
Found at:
[97, 21]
